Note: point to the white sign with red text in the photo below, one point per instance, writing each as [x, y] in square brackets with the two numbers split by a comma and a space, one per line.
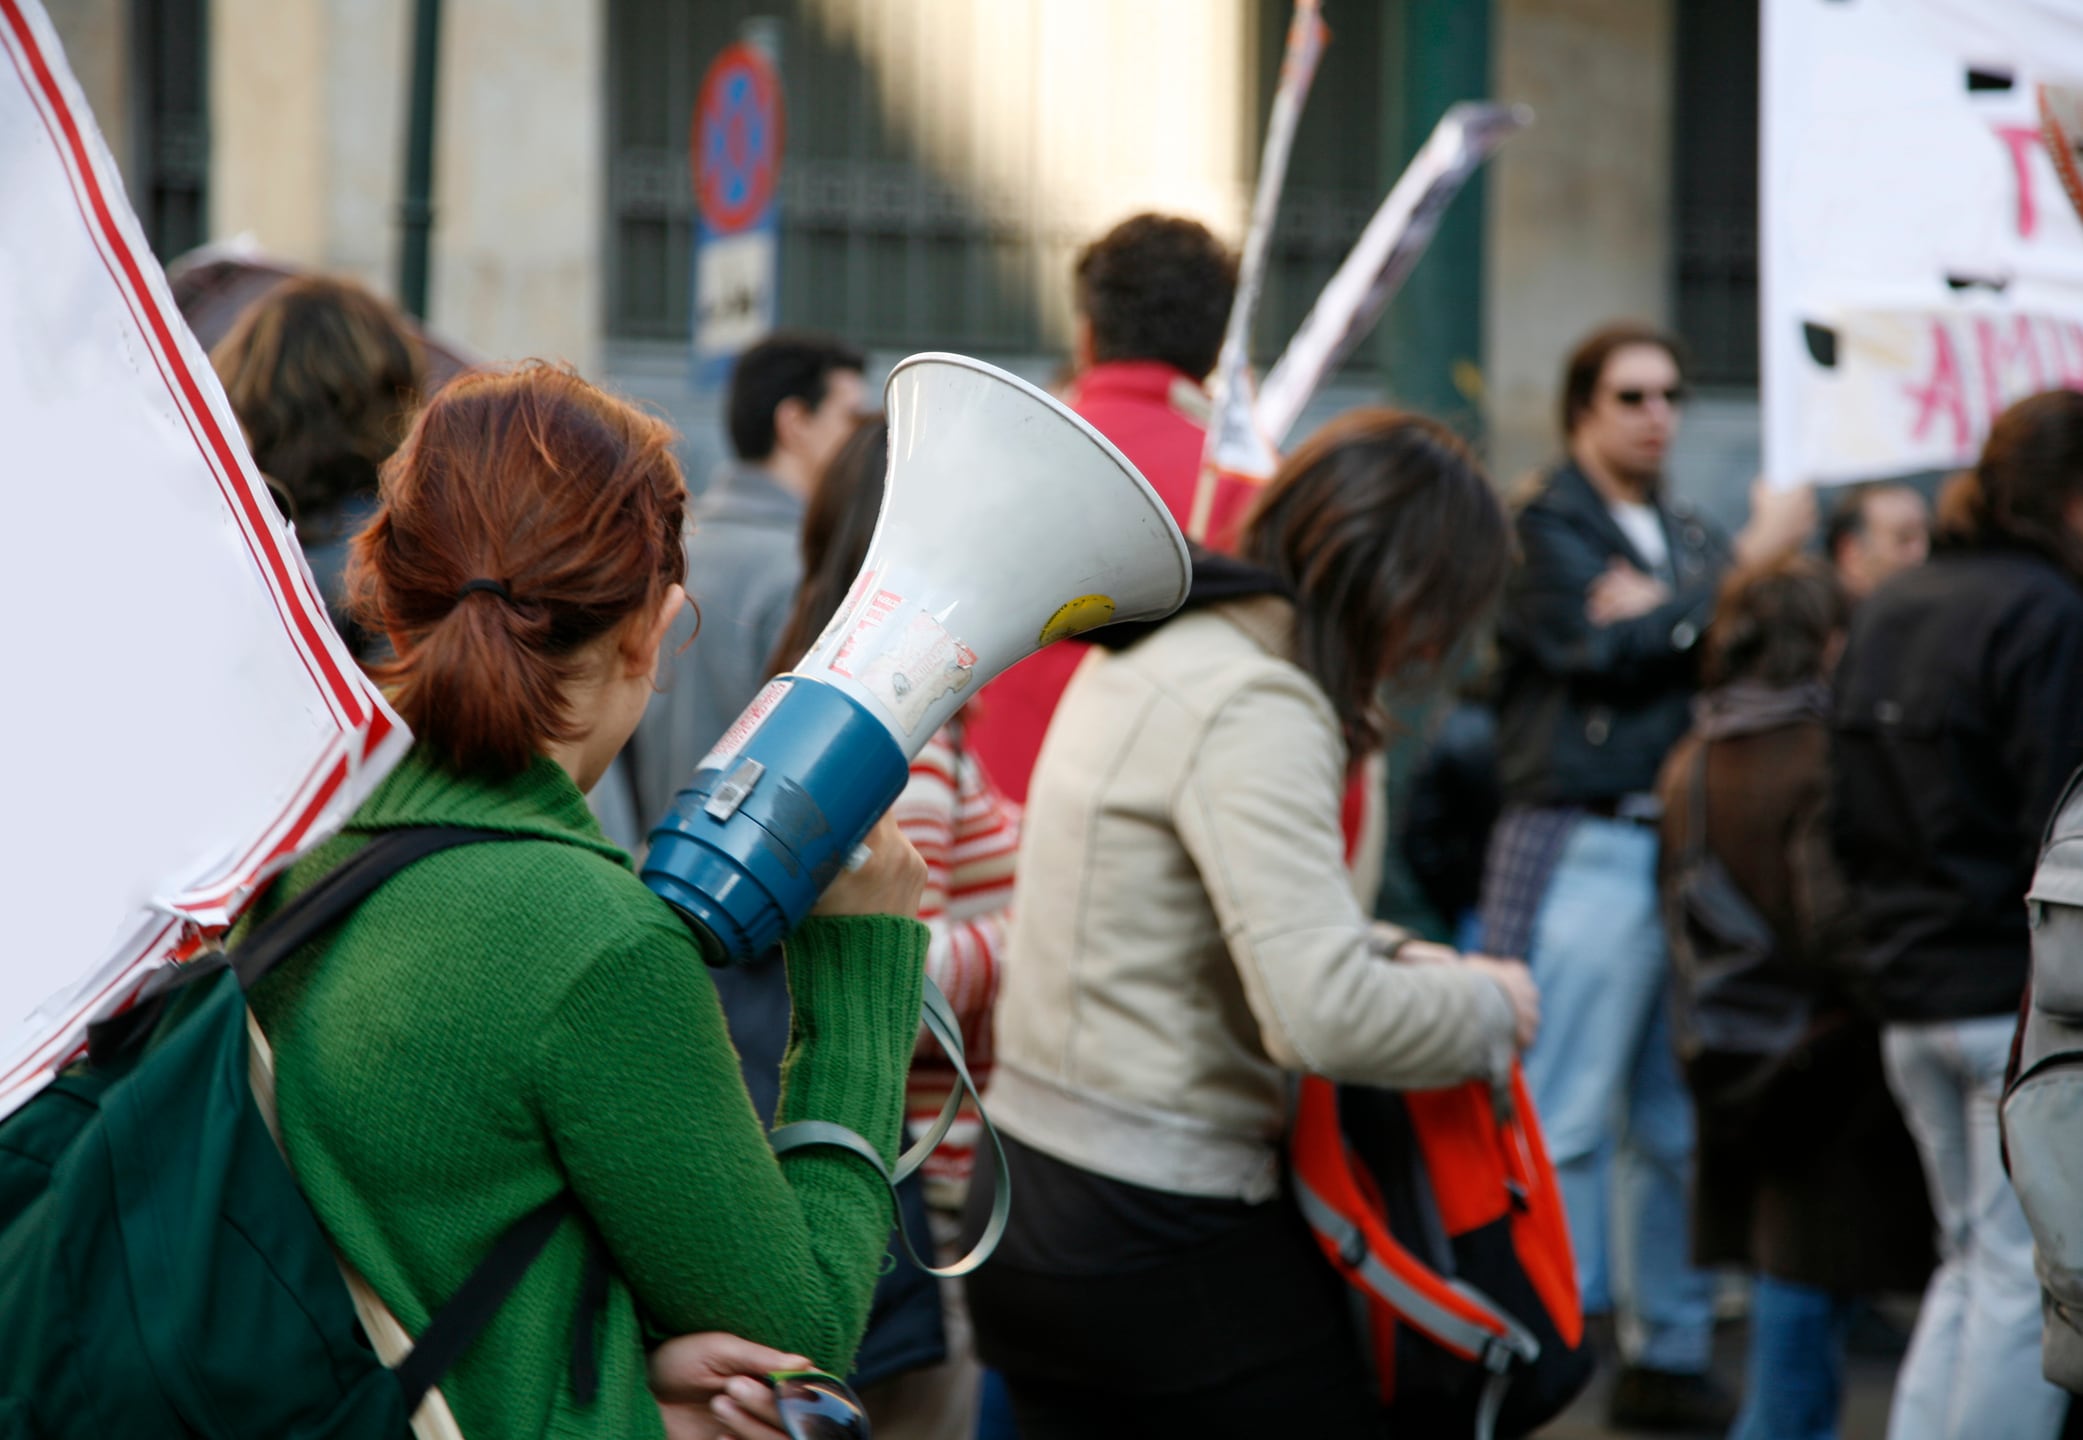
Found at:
[1921, 266]
[181, 720]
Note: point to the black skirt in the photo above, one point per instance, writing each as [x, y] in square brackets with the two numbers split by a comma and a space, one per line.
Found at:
[1116, 1309]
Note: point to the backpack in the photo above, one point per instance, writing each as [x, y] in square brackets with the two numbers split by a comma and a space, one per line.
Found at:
[1440, 1208]
[1737, 1019]
[2042, 1112]
[160, 1272]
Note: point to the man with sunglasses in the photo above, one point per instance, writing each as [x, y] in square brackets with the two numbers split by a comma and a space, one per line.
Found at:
[1597, 646]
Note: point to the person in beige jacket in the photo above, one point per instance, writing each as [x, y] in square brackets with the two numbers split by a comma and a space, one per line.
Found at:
[1189, 937]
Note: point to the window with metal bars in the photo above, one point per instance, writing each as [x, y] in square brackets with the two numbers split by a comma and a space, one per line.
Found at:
[878, 246]
[170, 151]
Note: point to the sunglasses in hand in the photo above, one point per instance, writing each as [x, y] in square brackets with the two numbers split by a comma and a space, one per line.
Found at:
[817, 1406]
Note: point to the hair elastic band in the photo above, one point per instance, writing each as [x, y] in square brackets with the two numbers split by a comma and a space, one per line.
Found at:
[497, 587]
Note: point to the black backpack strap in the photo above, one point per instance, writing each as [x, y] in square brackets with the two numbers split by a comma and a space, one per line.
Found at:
[327, 901]
[458, 1323]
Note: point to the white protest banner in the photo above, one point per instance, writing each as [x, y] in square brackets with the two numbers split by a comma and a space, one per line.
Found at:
[1234, 445]
[1384, 255]
[1920, 264]
[182, 720]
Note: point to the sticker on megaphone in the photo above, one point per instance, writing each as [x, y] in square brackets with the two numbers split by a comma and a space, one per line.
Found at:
[894, 648]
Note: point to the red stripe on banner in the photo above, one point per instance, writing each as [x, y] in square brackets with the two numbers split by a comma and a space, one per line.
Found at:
[128, 974]
[181, 383]
[256, 861]
[253, 861]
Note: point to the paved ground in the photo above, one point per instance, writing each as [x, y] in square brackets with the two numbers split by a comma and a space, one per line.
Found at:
[1869, 1383]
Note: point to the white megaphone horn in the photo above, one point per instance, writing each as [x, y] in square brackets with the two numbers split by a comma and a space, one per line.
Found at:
[1007, 523]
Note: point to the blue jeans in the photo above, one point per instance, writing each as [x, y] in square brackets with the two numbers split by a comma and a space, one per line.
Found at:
[1973, 1367]
[1604, 1078]
[1795, 1376]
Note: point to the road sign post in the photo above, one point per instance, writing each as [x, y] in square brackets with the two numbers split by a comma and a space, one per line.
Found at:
[735, 151]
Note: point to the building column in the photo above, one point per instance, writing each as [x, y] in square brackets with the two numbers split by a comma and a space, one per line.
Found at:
[1579, 216]
[307, 137]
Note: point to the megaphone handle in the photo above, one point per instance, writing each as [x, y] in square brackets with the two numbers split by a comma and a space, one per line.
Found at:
[939, 1018]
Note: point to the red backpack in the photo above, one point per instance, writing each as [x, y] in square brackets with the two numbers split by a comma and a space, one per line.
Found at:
[1441, 1208]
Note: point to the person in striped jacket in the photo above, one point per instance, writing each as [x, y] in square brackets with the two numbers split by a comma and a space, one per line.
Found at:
[969, 835]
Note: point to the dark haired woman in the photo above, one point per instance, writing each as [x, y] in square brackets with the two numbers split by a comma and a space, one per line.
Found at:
[1959, 715]
[1806, 1176]
[1188, 937]
[323, 376]
[506, 1022]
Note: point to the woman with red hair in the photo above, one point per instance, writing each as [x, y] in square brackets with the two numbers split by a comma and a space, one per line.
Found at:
[505, 1023]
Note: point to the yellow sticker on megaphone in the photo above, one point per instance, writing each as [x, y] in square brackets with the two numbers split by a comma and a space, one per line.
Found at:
[1087, 612]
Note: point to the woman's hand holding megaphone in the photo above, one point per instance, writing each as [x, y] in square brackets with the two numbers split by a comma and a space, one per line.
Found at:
[891, 880]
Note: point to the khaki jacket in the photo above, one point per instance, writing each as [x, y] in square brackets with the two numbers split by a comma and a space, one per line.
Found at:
[1186, 934]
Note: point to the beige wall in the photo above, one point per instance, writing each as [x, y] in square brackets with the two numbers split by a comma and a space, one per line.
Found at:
[307, 138]
[1579, 207]
[268, 167]
[520, 180]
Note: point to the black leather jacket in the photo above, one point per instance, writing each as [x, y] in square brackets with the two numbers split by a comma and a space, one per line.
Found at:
[1959, 716]
[1586, 712]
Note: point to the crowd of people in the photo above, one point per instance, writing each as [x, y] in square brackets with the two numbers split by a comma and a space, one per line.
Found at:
[1145, 871]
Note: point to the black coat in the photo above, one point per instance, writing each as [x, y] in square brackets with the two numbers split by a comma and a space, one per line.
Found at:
[1587, 712]
[1959, 715]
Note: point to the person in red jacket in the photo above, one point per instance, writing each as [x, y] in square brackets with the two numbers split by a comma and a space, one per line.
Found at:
[1153, 295]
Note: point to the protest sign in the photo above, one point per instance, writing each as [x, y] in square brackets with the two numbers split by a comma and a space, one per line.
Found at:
[1920, 264]
[181, 719]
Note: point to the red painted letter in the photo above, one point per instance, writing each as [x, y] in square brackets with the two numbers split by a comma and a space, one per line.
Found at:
[1998, 355]
[2022, 140]
[1942, 393]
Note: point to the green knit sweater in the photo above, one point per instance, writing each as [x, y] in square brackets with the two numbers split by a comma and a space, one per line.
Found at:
[504, 1021]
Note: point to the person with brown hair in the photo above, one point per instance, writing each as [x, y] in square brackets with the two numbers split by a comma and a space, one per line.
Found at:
[1597, 647]
[1806, 1176]
[323, 376]
[1188, 937]
[505, 1023]
[1958, 718]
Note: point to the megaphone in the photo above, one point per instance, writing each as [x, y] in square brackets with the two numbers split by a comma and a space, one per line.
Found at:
[1007, 523]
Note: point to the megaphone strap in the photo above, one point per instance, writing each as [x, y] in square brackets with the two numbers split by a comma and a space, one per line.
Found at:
[939, 1019]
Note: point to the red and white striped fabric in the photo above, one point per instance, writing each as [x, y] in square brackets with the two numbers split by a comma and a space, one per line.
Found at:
[969, 835]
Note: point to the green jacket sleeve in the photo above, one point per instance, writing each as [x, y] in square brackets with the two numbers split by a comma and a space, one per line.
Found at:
[640, 1091]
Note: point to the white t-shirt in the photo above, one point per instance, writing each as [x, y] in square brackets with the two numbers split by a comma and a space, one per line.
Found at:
[1644, 528]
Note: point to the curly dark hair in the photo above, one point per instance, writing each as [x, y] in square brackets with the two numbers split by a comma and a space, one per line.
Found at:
[1773, 623]
[1157, 287]
[324, 377]
[2019, 491]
